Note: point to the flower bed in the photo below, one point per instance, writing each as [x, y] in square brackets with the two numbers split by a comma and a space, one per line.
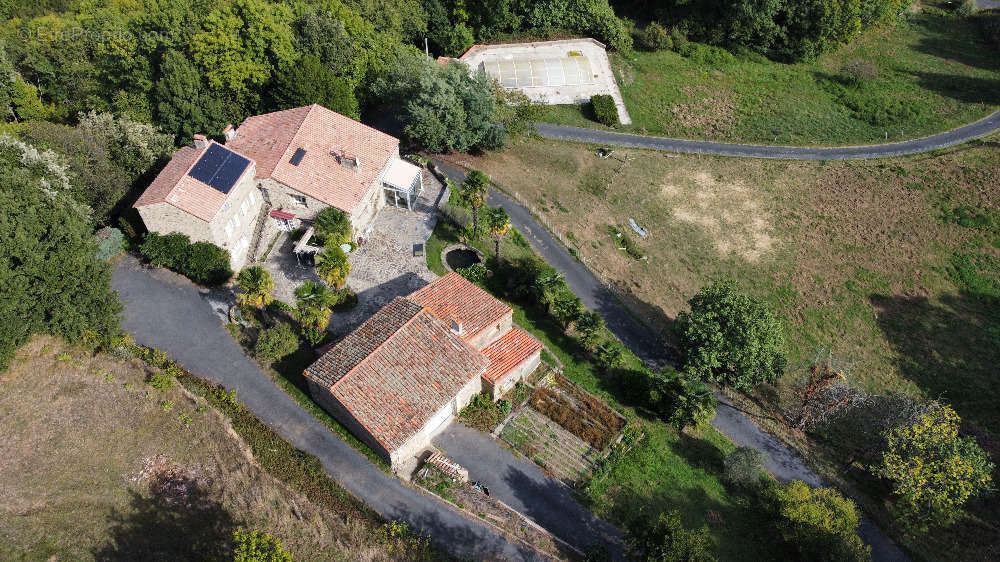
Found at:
[579, 412]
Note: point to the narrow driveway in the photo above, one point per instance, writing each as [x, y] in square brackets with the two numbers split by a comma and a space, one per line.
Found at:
[168, 312]
[594, 295]
[966, 133]
[520, 484]
[782, 463]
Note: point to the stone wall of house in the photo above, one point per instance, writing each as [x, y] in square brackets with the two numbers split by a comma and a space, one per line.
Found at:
[516, 374]
[328, 402]
[422, 438]
[492, 334]
[164, 218]
[241, 210]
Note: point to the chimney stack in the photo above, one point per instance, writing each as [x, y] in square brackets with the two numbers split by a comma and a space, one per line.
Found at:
[200, 141]
[229, 132]
[347, 160]
[456, 327]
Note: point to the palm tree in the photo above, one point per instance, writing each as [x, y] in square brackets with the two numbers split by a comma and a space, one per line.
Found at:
[474, 191]
[499, 222]
[334, 226]
[333, 266]
[256, 284]
[312, 309]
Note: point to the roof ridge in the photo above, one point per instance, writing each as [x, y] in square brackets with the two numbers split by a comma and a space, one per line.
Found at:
[295, 135]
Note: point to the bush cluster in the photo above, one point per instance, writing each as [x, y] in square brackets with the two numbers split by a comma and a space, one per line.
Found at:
[276, 343]
[604, 109]
[707, 55]
[656, 38]
[202, 262]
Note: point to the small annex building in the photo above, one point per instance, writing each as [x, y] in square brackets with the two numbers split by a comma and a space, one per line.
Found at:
[398, 379]
[273, 169]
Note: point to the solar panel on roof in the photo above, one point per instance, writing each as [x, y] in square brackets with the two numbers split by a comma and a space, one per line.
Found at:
[219, 168]
[297, 157]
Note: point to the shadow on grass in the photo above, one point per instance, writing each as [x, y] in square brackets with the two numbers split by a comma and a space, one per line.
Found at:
[188, 527]
[962, 88]
[950, 348]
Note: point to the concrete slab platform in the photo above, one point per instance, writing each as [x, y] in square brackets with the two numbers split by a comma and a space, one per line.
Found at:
[551, 72]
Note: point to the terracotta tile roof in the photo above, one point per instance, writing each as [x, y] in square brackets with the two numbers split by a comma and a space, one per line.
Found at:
[273, 138]
[508, 352]
[453, 297]
[397, 370]
[173, 185]
[362, 342]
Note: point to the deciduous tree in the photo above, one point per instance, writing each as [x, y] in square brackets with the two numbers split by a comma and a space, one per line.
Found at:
[730, 337]
[933, 470]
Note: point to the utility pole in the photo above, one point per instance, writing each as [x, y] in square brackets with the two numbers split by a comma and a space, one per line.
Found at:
[427, 50]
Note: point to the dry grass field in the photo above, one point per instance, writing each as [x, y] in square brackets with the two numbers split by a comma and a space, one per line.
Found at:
[863, 261]
[95, 464]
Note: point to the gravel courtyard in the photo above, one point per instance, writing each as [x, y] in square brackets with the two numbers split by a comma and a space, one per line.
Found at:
[385, 265]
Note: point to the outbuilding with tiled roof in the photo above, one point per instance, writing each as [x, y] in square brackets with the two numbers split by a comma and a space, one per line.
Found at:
[401, 376]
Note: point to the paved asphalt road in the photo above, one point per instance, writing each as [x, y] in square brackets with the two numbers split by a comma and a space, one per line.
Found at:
[941, 140]
[782, 463]
[519, 483]
[168, 312]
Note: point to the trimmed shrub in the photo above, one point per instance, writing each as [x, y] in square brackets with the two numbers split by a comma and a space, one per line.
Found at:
[604, 108]
[655, 38]
[744, 467]
[276, 343]
[707, 55]
[207, 264]
[168, 250]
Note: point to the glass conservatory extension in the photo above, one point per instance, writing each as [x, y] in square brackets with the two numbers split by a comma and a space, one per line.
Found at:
[402, 184]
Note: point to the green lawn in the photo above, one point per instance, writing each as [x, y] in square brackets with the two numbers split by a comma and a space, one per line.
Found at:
[933, 74]
[667, 469]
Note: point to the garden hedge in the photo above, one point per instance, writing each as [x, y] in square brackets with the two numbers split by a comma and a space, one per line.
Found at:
[605, 111]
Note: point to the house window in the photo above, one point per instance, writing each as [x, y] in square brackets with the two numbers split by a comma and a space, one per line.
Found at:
[300, 199]
[229, 228]
[245, 207]
[225, 207]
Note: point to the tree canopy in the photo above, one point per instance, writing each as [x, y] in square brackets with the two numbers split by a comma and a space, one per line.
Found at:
[933, 470]
[731, 337]
[51, 277]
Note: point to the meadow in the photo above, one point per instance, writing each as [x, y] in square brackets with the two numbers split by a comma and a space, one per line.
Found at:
[928, 74]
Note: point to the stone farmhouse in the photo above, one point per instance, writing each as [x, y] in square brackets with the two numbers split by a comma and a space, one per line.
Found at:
[399, 378]
[274, 169]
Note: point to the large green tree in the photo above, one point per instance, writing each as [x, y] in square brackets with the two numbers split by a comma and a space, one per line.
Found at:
[184, 105]
[731, 338]
[818, 522]
[933, 470]
[52, 280]
[309, 82]
[667, 540]
[244, 43]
